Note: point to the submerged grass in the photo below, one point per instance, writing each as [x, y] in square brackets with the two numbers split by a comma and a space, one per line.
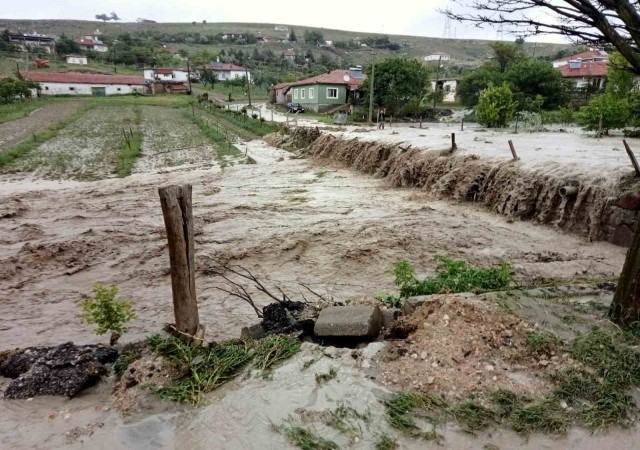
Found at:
[403, 408]
[386, 442]
[252, 127]
[322, 378]
[305, 439]
[206, 368]
[451, 276]
[131, 146]
[346, 420]
[40, 138]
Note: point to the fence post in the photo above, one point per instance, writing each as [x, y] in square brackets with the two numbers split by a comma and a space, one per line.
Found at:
[178, 221]
[632, 157]
[513, 151]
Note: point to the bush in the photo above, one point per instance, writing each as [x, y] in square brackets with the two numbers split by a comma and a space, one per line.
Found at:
[530, 121]
[107, 312]
[613, 111]
[254, 116]
[496, 107]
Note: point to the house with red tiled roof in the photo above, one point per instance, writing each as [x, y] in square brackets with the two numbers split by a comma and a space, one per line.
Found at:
[592, 55]
[92, 43]
[163, 74]
[328, 90]
[226, 71]
[586, 74]
[74, 83]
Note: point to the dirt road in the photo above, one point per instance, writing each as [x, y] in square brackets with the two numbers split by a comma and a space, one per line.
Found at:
[16, 131]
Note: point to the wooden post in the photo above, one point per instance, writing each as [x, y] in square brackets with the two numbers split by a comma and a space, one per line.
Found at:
[272, 115]
[513, 151]
[462, 124]
[260, 114]
[453, 142]
[632, 157]
[600, 127]
[178, 221]
[420, 121]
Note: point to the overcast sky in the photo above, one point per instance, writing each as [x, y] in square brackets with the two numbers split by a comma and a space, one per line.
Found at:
[414, 17]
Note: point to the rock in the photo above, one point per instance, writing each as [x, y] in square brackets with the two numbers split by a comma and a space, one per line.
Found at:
[629, 200]
[389, 316]
[289, 317]
[63, 370]
[489, 368]
[349, 321]
[253, 332]
[622, 236]
[414, 356]
[423, 355]
[413, 303]
[372, 349]
[430, 380]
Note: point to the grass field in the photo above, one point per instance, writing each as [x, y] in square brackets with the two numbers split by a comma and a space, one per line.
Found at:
[19, 109]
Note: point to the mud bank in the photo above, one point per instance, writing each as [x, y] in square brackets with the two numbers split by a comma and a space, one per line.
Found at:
[507, 188]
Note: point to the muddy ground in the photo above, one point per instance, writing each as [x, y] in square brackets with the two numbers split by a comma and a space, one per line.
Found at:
[16, 131]
[289, 221]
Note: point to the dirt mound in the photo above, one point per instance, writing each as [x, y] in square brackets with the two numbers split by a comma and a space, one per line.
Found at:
[461, 348]
[504, 187]
[63, 370]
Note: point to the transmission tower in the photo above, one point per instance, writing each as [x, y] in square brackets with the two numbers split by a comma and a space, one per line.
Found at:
[447, 33]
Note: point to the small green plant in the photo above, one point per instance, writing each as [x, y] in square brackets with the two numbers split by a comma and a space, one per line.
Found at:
[451, 276]
[539, 341]
[390, 301]
[402, 408]
[304, 438]
[322, 378]
[107, 312]
[496, 107]
[566, 116]
[545, 416]
[386, 442]
[472, 415]
[345, 419]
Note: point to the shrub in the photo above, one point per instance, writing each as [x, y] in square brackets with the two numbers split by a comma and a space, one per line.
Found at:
[613, 111]
[107, 312]
[254, 116]
[496, 107]
[530, 121]
[566, 115]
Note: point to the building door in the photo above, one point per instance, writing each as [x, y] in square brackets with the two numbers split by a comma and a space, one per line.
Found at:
[99, 91]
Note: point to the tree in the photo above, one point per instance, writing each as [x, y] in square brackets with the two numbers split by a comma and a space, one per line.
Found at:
[506, 54]
[475, 82]
[606, 110]
[312, 37]
[208, 76]
[496, 107]
[292, 36]
[530, 78]
[107, 312]
[616, 22]
[14, 89]
[114, 16]
[103, 17]
[65, 45]
[519, 41]
[620, 79]
[5, 44]
[397, 82]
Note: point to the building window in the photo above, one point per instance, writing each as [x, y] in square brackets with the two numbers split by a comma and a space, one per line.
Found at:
[303, 93]
[332, 92]
[119, 89]
[173, 75]
[72, 89]
[295, 94]
[46, 88]
[311, 93]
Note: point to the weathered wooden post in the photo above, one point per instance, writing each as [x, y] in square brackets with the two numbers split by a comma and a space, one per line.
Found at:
[453, 142]
[462, 124]
[178, 221]
[513, 151]
[632, 157]
[272, 115]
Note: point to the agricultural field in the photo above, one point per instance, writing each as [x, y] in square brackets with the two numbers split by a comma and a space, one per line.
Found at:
[87, 149]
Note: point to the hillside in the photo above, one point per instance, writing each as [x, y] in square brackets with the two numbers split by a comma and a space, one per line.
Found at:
[466, 52]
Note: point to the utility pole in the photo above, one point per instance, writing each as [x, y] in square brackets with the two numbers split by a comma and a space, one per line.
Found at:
[246, 75]
[373, 73]
[435, 91]
[189, 75]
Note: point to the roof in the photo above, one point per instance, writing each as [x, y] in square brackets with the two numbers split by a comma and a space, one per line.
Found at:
[224, 67]
[589, 54]
[76, 77]
[587, 69]
[281, 85]
[88, 41]
[333, 77]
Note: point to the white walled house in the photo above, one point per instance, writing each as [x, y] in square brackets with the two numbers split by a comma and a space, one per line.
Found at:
[71, 83]
[226, 71]
[592, 55]
[449, 86]
[77, 59]
[170, 75]
[92, 43]
[437, 57]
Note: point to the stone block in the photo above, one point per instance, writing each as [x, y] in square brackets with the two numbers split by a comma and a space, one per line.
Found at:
[253, 332]
[349, 321]
[389, 316]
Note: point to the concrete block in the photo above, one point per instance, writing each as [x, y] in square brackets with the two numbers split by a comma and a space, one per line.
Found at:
[349, 321]
[389, 316]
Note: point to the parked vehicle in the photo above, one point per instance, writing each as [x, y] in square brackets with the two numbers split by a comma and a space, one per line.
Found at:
[295, 108]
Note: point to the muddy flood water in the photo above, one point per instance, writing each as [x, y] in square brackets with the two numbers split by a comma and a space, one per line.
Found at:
[289, 221]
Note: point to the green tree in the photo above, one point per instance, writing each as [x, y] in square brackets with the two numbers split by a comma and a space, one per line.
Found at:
[607, 109]
[620, 78]
[5, 45]
[14, 89]
[208, 76]
[506, 54]
[65, 45]
[397, 82]
[312, 37]
[496, 107]
[292, 36]
[530, 78]
[475, 82]
[103, 17]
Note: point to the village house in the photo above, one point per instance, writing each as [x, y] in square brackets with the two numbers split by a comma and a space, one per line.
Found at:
[324, 92]
[231, 36]
[281, 94]
[290, 56]
[99, 85]
[77, 59]
[33, 41]
[448, 86]
[592, 55]
[169, 75]
[226, 71]
[435, 57]
[92, 43]
[591, 74]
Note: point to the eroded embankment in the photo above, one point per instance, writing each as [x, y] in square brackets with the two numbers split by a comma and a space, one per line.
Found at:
[600, 209]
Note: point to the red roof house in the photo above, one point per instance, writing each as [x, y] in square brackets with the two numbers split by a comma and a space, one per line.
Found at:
[75, 83]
